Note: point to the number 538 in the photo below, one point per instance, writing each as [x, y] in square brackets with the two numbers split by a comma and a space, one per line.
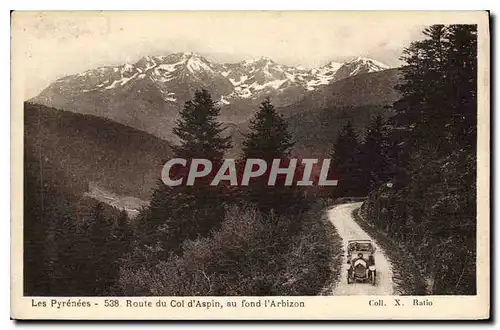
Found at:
[111, 303]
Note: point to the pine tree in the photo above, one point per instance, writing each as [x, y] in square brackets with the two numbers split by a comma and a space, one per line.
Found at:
[424, 76]
[185, 212]
[374, 153]
[346, 162]
[439, 99]
[269, 139]
[199, 131]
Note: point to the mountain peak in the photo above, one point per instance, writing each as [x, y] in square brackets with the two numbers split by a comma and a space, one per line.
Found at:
[197, 63]
[179, 55]
[265, 58]
[361, 59]
[262, 59]
[189, 55]
[359, 65]
[333, 64]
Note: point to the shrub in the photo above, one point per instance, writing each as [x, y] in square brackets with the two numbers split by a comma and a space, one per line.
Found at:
[251, 254]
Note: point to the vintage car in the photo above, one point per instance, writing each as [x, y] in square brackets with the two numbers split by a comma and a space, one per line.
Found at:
[361, 260]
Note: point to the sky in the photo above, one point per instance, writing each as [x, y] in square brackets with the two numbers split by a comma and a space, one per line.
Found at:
[54, 44]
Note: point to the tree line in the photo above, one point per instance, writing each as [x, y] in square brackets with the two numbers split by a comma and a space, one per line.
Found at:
[429, 204]
[362, 163]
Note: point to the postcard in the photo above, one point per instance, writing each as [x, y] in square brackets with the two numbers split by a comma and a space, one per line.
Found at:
[250, 165]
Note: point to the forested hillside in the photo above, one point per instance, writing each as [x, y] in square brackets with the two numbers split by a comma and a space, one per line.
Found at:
[93, 149]
[315, 130]
[428, 203]
[72, 243]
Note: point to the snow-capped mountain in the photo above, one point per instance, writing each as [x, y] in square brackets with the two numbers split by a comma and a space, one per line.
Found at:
[357, 66]
[173, 75]
[149, 93]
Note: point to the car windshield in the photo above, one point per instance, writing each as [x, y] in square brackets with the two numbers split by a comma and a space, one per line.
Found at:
[364, 246]
[360, 246]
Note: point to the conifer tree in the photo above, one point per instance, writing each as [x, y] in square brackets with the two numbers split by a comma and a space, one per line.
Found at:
[269, 139]
[199, 131]
[430, 84]
[185, 212]
[346, 162]
[374, 153]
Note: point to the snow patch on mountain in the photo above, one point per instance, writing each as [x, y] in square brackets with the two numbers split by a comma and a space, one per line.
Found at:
[121, 81]
[238, 82]
[167, 68]
[168, 96]
[195, 64]
[374, 64]
[223, 101]
[273, 84]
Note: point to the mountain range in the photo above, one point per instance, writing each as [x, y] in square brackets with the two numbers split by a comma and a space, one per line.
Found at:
[148, 94]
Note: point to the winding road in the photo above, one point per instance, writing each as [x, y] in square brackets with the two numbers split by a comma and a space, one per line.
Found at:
[347, 228]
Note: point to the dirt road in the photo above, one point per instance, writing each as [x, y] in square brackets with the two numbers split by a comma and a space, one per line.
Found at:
[340, 216]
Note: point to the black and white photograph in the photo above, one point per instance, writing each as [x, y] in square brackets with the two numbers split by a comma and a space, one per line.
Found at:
[266, 155]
